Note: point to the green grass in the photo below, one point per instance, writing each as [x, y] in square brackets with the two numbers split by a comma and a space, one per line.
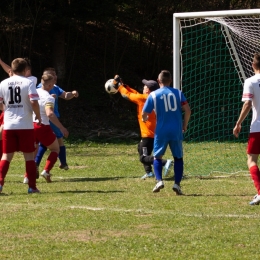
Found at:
[100, 209]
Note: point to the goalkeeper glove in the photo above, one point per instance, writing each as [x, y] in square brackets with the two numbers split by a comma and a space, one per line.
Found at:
[117, 81]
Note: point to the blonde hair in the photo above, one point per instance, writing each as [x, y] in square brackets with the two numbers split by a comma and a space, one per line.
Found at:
[18, 65]
[46, 79]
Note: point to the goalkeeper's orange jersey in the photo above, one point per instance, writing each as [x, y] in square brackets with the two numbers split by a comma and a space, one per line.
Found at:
[147, 128]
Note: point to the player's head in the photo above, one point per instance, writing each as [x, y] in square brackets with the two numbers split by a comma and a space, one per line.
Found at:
[19, 66]
[47, 81]
[29, 68]
[149, 86]
[51, 71]
[165, 78]
[256, 61]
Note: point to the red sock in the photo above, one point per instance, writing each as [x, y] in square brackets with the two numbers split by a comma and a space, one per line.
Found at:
[4, 166]
[51, 160]
[31, 173]
[255, 175]
[1, 149]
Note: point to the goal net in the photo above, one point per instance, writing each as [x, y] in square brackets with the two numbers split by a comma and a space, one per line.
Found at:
[213, 54]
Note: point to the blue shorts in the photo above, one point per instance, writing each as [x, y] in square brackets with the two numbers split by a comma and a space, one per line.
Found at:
[56, 130]
[160, 147]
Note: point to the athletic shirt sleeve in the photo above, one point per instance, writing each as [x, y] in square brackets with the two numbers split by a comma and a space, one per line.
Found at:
[132, 96]
[57, 91]
[50, 100]
[149, 104]
[32, 92]
[248, 91]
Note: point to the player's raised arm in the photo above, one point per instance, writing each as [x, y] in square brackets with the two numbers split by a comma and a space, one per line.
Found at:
[5, 67]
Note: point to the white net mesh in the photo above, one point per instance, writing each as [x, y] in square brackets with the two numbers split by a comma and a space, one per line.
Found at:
[216, 56]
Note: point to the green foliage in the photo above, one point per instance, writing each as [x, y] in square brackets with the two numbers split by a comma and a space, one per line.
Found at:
[100, 209]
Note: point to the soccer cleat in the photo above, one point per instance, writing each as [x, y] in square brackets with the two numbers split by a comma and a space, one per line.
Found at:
[46, 176]
[64, 167]
[255, 201]
[31, 190]
[159, 185]
[1, 188]
[167, 167]
[147, 175]
[177, 189]
[25, 180]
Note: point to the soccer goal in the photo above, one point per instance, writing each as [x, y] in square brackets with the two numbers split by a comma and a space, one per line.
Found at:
[212, 56]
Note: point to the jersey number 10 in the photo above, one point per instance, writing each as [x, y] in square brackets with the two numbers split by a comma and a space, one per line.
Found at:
[167, 102]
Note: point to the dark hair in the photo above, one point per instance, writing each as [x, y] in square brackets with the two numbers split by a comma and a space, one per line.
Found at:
[165, 77]
[18, 65]
[256, 61]
[49, 69]
[28, 63]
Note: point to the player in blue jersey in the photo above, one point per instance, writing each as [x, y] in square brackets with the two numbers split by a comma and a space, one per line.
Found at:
[168, 104]
[57, 92]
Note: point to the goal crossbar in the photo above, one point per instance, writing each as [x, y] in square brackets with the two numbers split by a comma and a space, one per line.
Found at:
[204, 15]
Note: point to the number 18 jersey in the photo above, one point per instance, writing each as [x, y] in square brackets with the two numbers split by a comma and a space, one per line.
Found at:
[16, 93]
[167, 103]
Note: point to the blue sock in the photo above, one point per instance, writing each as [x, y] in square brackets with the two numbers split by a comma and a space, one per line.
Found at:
[42, 149]
[157, 167]
[62, 155]
[178, 170]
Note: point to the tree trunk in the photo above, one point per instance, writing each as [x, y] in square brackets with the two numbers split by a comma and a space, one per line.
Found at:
[59, 57]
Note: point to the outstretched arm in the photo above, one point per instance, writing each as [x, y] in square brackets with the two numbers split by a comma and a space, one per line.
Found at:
[69, 95]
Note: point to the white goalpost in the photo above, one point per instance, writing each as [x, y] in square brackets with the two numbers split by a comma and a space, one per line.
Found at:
[212, 56]
[200, 17]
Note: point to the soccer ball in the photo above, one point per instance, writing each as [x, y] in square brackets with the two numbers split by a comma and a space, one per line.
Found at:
[109, 87]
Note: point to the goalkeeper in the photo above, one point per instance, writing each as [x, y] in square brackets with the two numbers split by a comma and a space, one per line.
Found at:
[145, 146]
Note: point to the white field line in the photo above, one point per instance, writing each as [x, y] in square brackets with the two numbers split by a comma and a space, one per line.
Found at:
[167, 212]
[138, 211]
[53, 176]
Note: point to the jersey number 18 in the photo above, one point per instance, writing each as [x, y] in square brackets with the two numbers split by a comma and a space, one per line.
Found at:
[15, 95]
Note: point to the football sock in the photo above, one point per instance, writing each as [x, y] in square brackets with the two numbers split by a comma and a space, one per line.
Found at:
[4, 166]
[31, 173]
[255, 175]
[157, 166]
[178, 170]
[62, 155]
[1, 149]
[42, 149]
[51, 160]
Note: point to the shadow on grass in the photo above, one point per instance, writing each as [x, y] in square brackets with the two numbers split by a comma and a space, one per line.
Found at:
[90, 179]
[216, 195]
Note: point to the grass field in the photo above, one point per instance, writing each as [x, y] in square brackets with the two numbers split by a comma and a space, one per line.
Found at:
[100, 209]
